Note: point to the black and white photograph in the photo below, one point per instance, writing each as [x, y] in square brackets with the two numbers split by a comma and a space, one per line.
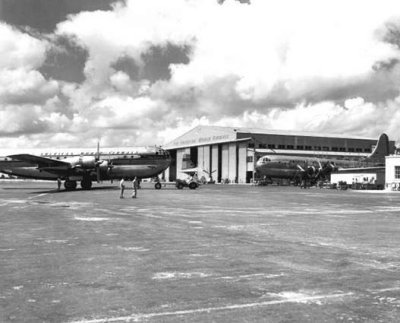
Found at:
[199, 161]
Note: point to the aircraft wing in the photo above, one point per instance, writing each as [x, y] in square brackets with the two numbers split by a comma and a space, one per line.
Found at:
[40, 161]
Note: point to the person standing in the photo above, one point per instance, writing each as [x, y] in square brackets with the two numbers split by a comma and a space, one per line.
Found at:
[122, 188]
[135, 185]
[58, 184]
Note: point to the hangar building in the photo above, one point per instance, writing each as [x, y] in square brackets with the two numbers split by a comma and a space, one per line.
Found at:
[228, 154]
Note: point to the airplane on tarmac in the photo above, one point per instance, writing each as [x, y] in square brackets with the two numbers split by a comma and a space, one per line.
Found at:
[86, 167]
[301, 168]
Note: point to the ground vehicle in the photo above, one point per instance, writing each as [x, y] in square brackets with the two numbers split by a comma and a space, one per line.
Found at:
[181, 183]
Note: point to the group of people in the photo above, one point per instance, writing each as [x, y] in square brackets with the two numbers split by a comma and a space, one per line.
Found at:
[135, 186]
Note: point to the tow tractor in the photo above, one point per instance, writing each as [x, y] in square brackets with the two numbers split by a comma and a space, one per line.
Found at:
[179, 184]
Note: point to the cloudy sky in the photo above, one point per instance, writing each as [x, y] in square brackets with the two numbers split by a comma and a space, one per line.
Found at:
[142, 72]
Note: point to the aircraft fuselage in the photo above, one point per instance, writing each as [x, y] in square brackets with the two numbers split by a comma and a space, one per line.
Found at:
[111, 166]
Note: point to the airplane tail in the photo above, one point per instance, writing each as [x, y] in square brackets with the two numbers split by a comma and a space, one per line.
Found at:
[381, 149]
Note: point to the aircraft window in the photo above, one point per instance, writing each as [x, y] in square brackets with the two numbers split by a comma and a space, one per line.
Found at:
[281, 146]
[397, 172]
[124, 156]
[5, 159]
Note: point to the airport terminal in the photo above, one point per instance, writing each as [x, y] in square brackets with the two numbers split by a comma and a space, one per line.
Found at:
[228, 154]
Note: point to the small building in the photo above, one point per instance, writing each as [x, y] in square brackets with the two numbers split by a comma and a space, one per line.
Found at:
[392, 172]
[228, 154]
[370, 178]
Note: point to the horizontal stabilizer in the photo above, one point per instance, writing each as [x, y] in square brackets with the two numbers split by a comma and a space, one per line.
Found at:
[40, 161]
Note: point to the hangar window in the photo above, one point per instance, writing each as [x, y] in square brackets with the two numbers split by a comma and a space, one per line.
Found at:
[351, 149]
[342, 149]
[290, 147]
[325, 148]
[317, 147]
[249, 159]
[359, 150]
[281, 146]
[367, 150]
[300, 147]
[271, 146]
[251, 144]
[335, 148]
[397, 172]
[308, 148]
[262, 146]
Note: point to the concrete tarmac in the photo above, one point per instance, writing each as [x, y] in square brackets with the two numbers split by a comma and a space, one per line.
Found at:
[221, 253]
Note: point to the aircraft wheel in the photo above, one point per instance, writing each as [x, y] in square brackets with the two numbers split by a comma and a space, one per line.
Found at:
[179, 186]
[157, 186]
[70, 185]
[192, 185]
[86, 184]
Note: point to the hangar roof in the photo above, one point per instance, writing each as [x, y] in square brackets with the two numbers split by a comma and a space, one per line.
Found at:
[205, 135]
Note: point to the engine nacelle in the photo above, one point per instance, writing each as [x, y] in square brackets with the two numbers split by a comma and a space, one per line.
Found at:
[88, 162]
[85, 162]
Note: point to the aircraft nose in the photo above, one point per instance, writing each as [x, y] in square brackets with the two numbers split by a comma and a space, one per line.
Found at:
[259, 163]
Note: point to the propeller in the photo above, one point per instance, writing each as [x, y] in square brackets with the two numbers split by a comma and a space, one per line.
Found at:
[109, 169]
[98, 162]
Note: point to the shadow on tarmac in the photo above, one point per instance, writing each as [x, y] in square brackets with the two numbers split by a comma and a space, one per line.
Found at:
[54, 191]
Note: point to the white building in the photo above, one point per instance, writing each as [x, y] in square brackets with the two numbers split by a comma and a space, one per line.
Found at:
[392, 177]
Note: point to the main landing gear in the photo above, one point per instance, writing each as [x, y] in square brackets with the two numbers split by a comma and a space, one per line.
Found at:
[86, 183]
[70, 185]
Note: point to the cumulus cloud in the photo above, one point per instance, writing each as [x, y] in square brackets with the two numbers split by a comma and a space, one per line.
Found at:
[20, 50]
[153, 69]
[26, 96]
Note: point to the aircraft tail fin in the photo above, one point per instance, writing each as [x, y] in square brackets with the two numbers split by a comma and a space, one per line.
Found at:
[381, 149]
